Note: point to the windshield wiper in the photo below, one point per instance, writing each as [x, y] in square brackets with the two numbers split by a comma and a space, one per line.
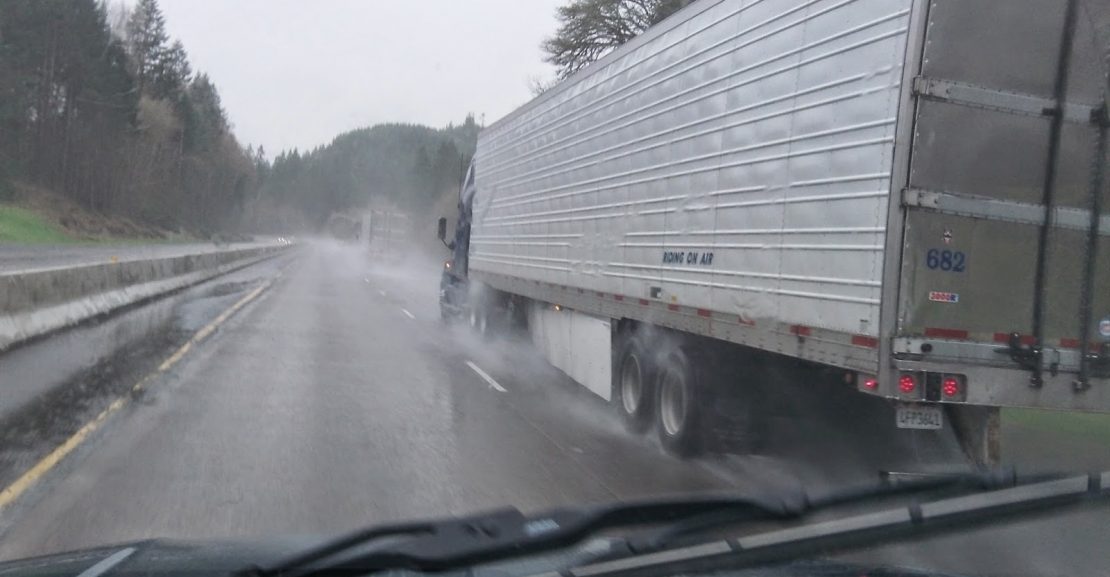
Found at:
[508, 533]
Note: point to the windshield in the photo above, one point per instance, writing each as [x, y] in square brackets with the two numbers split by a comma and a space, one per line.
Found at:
[292, 268]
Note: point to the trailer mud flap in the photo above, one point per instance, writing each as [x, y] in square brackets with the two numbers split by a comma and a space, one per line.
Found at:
[978, 430]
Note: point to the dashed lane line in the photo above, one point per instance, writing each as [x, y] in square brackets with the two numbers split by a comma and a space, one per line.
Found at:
[492, 383]
[408, 314]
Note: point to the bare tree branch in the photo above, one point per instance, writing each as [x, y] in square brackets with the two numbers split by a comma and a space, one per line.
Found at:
[589, 29]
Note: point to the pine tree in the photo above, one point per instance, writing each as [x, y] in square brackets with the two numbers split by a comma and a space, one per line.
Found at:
[146, 36]
[104, 120]
[205, 119]
[170, 73]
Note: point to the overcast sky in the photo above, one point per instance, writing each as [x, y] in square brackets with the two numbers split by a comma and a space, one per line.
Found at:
[295, 73]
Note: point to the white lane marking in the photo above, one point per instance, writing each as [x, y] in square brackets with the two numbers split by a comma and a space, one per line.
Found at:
[381, 293]
[492, 383]
[108, 563]
[408, 314]
[367, 279]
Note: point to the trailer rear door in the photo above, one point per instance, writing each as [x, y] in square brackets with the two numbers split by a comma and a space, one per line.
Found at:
[987, 279]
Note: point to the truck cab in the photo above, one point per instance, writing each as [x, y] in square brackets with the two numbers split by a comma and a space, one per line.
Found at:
[453, 283]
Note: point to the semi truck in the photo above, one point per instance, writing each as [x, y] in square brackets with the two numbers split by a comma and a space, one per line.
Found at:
[343, 227]
[388, 234]
[904, 197]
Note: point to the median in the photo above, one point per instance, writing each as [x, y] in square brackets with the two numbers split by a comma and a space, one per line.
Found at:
[38, 302]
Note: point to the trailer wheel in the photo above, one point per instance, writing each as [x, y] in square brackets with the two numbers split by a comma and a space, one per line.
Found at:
[478, 316]
[447, 313]
[633, 385]
[678, 421]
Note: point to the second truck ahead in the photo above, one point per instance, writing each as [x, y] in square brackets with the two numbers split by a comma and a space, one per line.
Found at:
[906, 196]
[387, 234]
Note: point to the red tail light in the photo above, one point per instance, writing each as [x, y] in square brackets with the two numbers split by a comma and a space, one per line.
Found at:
[871, 384]
[906, 384]
[950, 387]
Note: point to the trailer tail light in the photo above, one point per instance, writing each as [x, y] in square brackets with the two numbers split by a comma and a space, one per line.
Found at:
[947, 387]
[867, 383]
[907, 383]
[950, 387]
[944, 387]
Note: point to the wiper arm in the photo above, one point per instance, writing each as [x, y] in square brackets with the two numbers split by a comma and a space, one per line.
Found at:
[508, 533]
[341, 544]
[867, 529]
[889, 486]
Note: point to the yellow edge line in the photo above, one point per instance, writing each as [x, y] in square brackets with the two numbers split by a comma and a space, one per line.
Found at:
[24, 482]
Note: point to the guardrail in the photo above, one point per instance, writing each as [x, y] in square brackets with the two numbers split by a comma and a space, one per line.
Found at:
[35, 303]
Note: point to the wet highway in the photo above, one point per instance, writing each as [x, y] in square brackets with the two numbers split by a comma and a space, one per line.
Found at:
[338, 399]
[323, 406]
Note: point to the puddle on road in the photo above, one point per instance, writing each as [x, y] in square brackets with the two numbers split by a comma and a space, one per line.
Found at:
[191, 315]
[38, 427]
[53, 387]
[229, 288]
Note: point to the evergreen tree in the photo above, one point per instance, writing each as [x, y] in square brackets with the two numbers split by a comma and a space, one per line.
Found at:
[146, 35]
[205, 119]
[171, 72]
[105, 121]
[406, 166]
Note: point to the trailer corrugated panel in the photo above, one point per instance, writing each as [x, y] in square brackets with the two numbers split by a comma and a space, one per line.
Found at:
[736, 159]
[976, 190]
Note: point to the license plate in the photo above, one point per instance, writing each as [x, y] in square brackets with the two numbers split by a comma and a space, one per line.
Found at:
[919, 417]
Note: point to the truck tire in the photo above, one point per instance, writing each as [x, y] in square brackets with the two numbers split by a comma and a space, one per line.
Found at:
[478, 318]
[447, 312]
[633, 395]
[678, 422]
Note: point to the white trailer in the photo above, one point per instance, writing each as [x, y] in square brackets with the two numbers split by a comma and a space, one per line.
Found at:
[908, 192]
[388, 234]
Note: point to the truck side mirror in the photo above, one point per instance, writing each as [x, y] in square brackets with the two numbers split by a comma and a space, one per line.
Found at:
[442, 231]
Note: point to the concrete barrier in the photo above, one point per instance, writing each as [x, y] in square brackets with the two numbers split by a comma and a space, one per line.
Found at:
[35, 303]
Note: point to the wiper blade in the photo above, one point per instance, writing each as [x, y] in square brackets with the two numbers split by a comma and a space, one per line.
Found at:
[508, 533]
[868, 529]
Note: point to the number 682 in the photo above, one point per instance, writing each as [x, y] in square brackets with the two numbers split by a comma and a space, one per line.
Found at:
[946, 260]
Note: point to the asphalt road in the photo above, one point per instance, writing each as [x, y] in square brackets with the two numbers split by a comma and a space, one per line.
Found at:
[337, 399]
[22, 258]
[322, 407]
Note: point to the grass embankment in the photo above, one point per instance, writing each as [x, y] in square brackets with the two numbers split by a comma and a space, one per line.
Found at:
[23, 226]
[1058, 441]
[38, 216]
[1095, 426]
